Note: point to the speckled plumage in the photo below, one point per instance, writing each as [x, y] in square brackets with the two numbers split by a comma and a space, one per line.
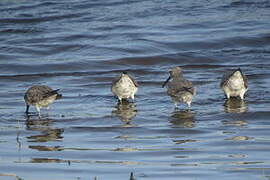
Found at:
[124, 87]
[234, 83]
[40, 96]
[179, 89]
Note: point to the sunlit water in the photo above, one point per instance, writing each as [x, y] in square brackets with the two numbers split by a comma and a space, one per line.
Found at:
[80, 46]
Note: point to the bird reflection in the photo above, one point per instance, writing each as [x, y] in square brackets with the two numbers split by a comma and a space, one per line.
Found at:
[235, 105]
[125, 111]
[48, 133]
[183, 118]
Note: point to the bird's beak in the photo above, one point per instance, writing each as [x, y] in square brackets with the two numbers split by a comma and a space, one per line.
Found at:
[164, 84]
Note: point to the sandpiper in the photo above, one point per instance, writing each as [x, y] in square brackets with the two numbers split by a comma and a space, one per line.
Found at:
[234, 83]
[40, 96]
[124, 87]
[180, 89]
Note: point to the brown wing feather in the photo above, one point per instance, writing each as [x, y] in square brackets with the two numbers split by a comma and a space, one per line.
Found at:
[177, 87]
[226, 77]
[37, 93]
[51, 93]
[133, 80]
[229, 73]
[245, 80]
[115, 80]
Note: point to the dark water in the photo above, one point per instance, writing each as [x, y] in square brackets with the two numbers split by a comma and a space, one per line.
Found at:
[80, 46]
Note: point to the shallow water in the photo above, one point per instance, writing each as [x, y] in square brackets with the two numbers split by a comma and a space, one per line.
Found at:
[80, 46]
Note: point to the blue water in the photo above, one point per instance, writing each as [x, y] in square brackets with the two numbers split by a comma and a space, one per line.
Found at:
[80, 46]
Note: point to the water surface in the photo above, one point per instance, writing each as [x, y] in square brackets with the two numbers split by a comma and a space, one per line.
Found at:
[80, 46]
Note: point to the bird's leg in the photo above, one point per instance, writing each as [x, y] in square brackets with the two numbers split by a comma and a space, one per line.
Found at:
[133, 98]
[176, 105]
[120, 100]
[189, 104]
[38, 110]
[242, 95]
[27, 109]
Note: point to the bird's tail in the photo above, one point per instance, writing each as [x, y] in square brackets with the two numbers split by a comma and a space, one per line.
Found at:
[54, 92]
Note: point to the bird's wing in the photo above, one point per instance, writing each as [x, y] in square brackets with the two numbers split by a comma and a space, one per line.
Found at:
[228, 74]
[115, 80]
[37, 93]
[226, 77]
[180, 87]
[133, 80]
[245, 79]
[51, 93]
